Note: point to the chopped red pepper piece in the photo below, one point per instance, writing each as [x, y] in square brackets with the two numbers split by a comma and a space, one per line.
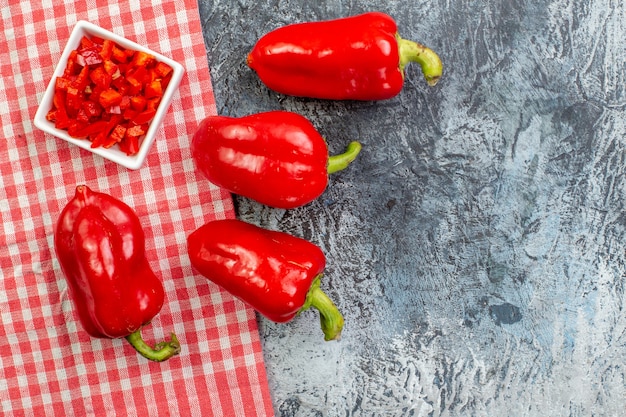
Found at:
[153, 89]
[107, 49]
[125, 103]
[62, 83]
[51, 116]
[109, 97]
[119, 55]
[142, 59]
[95, 93]
[100, 77]
[85, 42]
[162, 69]
[82, 80]
[81, 117]
[94, 129]
[135, 79]
[74, 98]
[138, 103]
[116, 136]
[111, 68]
[61, 120]
[70, 68]
[75, 128]
[144, 117]
[129, 113]
[166, 81]
[91, 55]
[153, 103]
[101, 138]
[134, 86]
[91, 109]
[137, 130]
[131, 144]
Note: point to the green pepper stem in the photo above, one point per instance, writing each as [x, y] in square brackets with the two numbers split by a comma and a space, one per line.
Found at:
[341, 161]
[411, 51]
[331, 319]
[162, 351]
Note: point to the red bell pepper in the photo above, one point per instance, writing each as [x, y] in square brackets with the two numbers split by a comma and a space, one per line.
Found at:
[99, 242]
[358, 58]
[275, 273]
[276, 158]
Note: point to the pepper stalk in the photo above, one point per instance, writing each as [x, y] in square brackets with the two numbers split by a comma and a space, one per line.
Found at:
[161, 351]
[411, 51]
[331, 319]
[341, 161]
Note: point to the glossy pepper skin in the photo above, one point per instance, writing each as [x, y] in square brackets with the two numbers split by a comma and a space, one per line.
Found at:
[352, 58]
[275, 273]
[276, 158]
[99, 242]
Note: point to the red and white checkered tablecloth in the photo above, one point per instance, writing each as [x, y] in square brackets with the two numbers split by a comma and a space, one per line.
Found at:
[48, 365]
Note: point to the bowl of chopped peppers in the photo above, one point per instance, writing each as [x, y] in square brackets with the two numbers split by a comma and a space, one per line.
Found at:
[108, 95]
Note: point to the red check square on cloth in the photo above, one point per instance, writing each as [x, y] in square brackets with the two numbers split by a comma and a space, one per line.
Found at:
[48, 365]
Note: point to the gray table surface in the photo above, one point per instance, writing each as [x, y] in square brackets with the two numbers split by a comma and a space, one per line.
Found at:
[476, 247]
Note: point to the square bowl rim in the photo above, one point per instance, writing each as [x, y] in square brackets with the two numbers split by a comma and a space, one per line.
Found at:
[82, 28]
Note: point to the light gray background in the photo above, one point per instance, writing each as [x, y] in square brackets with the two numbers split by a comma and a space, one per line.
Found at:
[476, 247]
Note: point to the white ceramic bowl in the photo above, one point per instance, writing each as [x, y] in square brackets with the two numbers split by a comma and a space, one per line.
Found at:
[81, 29]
